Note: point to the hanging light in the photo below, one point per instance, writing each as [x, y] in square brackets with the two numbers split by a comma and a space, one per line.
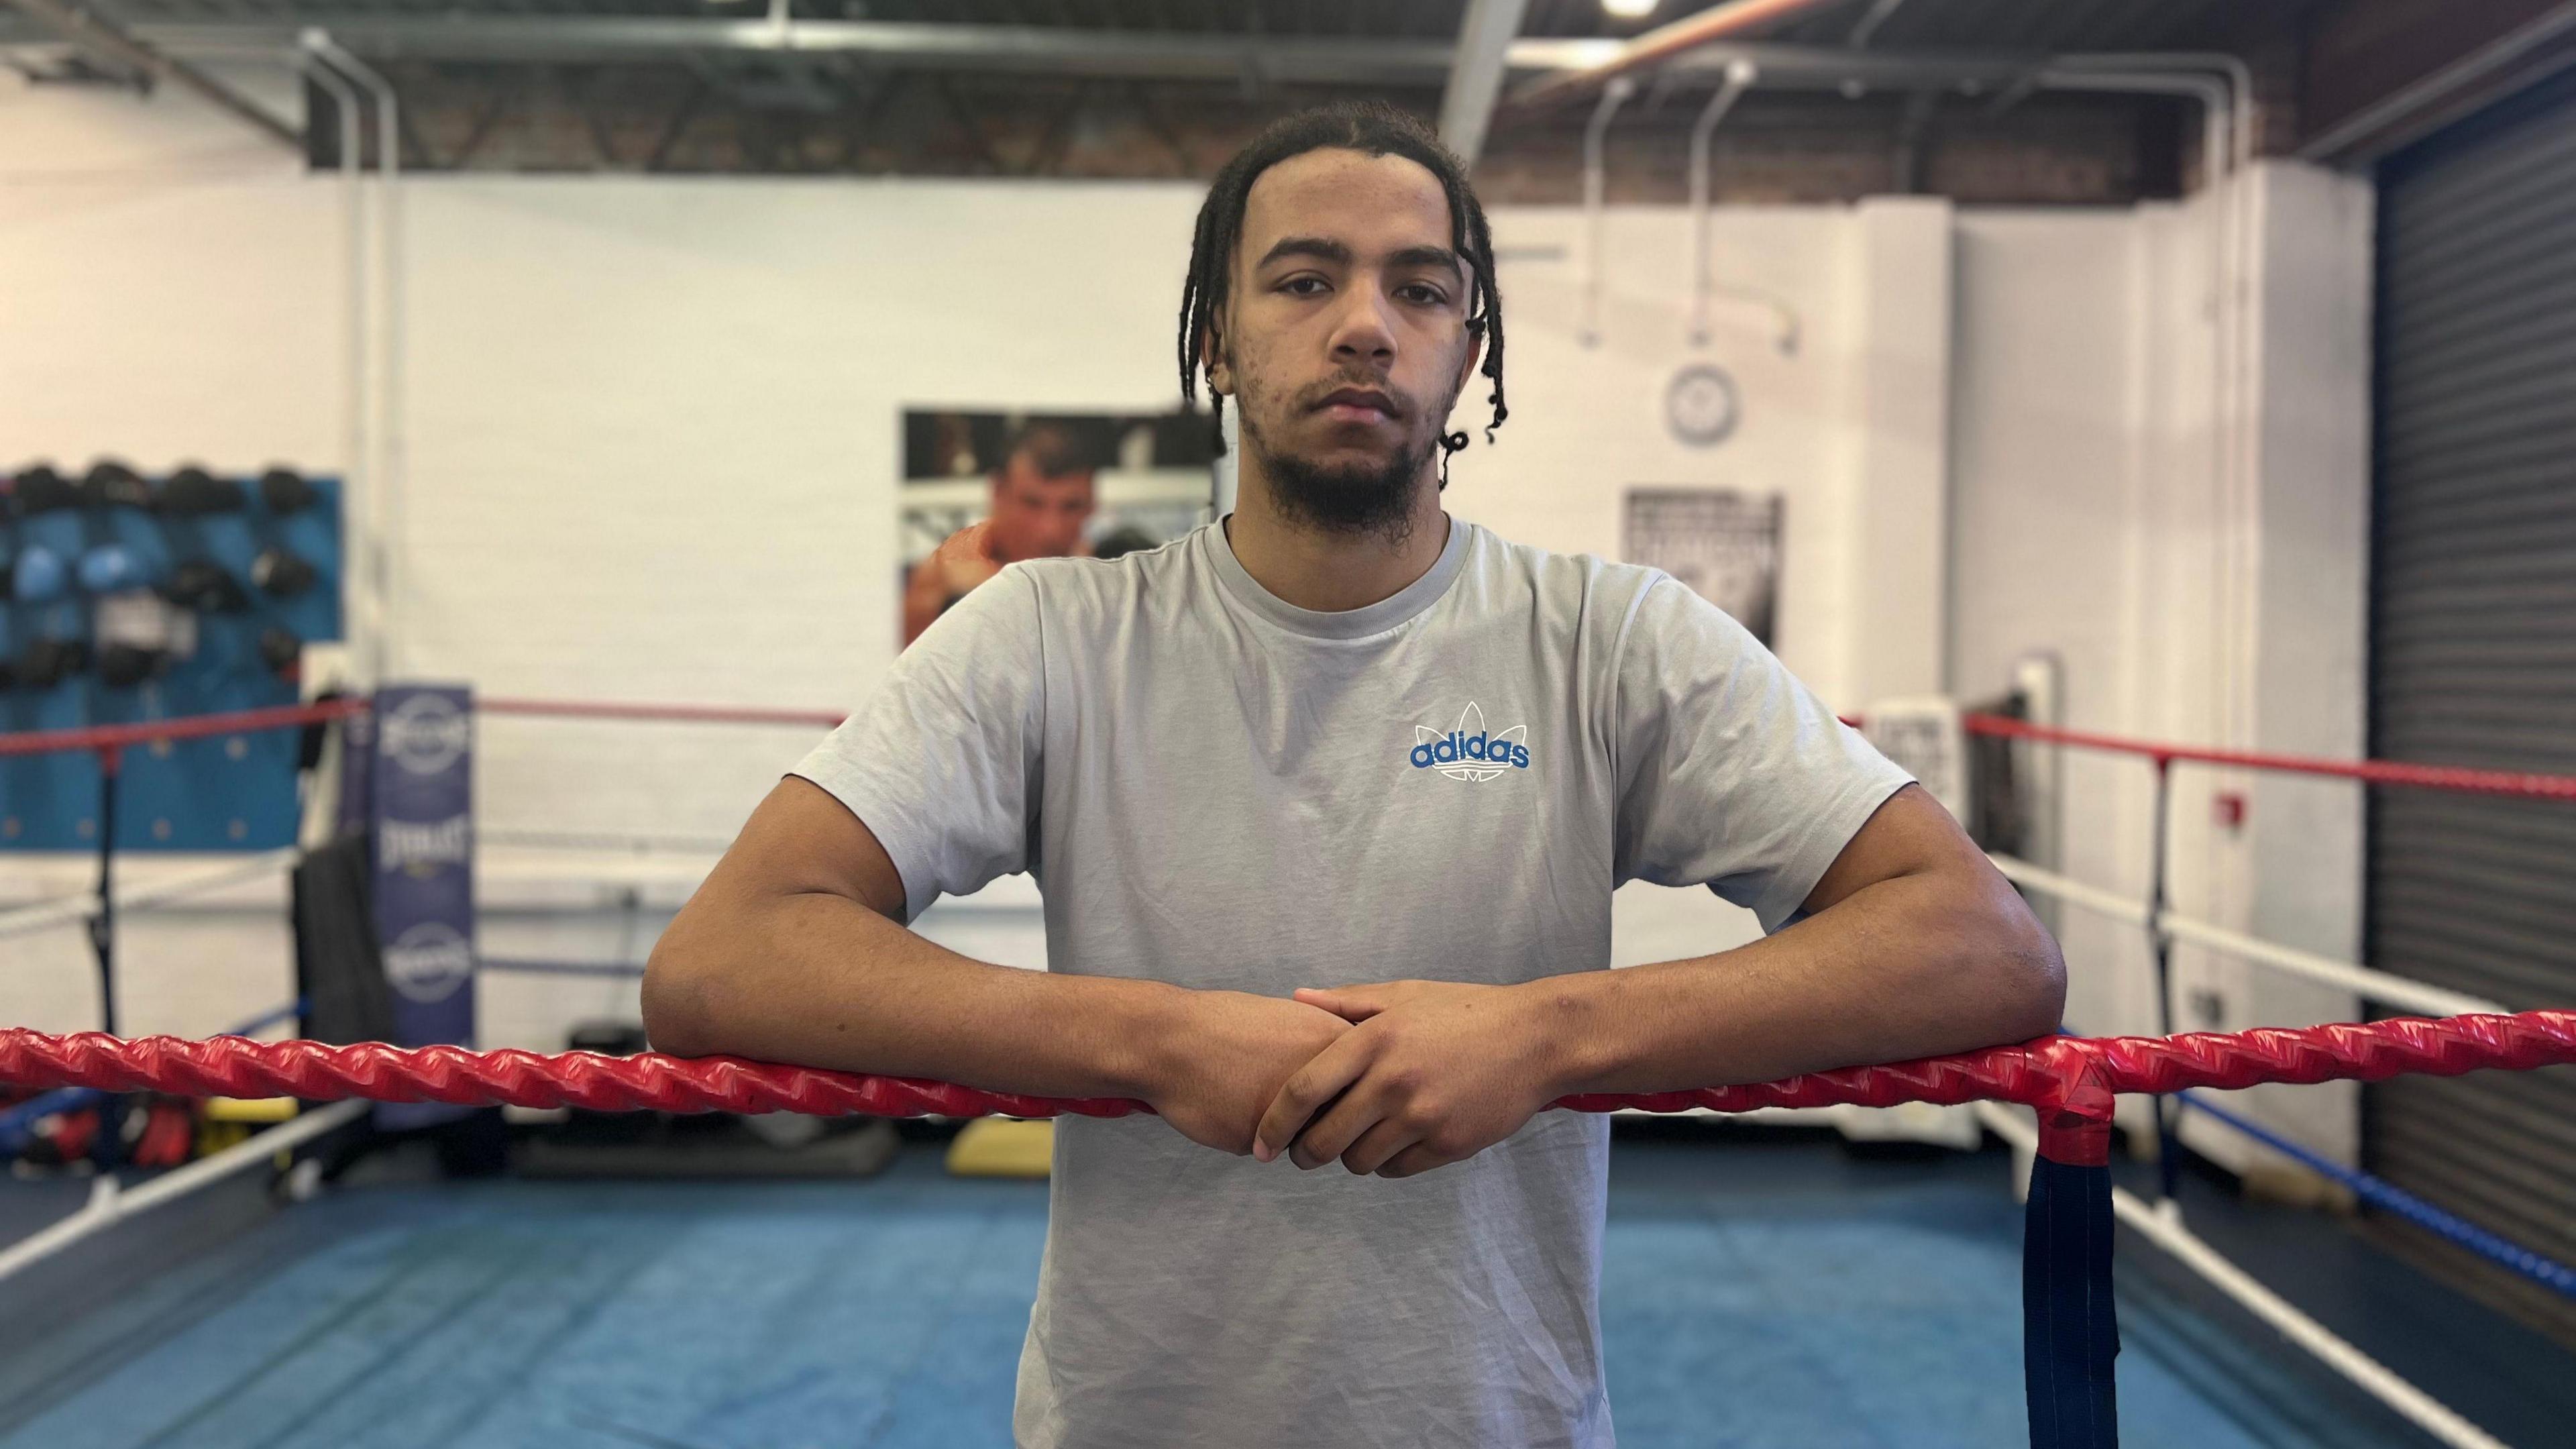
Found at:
[1629, 9]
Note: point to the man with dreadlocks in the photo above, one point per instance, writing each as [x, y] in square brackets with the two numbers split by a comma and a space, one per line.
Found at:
[1340, 737]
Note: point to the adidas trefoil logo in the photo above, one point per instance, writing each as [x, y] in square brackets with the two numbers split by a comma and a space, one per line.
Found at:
[1467, 752]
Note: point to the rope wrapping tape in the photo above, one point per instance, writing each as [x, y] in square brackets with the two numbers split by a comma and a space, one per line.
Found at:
[2070, 1316]
[2070, 1080]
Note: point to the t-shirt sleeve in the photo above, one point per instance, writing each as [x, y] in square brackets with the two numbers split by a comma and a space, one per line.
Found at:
[1731, 773]
[941, 762]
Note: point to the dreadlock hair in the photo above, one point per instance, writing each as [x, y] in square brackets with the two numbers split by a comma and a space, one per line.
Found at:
[1372, 128]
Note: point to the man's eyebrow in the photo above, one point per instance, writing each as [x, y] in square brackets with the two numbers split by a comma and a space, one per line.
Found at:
[1322, 249]
[1440, 257]
[1325, 249]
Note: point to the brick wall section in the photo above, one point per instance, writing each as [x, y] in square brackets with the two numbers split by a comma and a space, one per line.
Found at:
[1778, 147]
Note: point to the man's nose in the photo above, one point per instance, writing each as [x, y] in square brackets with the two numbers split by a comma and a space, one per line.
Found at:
[1362, 328]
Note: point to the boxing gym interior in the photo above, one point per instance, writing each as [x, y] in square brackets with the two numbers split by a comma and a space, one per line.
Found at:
[471, 469]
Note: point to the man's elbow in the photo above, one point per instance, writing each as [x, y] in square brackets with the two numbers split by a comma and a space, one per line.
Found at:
[2029, 976]
[679, 1000]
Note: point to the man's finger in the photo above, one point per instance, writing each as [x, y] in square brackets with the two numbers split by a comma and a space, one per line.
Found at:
[1310, 1087]
[1377, 1146]
[1413, 1162]
[1350, 1003]
[1343, 1121]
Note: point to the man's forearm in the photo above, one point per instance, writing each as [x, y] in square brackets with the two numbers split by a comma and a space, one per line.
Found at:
[821, 980]
[1907, 967]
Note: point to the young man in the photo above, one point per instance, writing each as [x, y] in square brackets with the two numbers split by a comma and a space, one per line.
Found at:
[1342, 741]
[1042, 496]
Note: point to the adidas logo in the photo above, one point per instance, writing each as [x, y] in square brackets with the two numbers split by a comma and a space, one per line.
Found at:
[1467, 752]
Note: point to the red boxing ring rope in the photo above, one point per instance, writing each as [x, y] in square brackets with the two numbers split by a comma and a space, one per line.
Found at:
[2521, 784]
[2071, 1080]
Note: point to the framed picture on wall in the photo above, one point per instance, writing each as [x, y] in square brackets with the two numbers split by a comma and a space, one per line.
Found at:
[1723, 543]
[982, 489]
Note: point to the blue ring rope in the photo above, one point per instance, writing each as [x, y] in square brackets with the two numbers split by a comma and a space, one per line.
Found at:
[2378, 1192]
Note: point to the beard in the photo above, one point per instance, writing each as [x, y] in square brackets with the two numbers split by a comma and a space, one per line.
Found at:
[1356, 499]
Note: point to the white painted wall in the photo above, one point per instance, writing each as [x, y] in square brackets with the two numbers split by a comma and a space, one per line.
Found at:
[2094, 520]
[2054, 425]
[2303, 860]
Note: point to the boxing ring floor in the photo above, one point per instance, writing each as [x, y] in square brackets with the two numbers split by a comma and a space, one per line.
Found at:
[1761, 1292]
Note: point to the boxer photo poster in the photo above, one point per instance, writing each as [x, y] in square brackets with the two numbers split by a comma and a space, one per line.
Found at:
[984, 489]
[1724, 544]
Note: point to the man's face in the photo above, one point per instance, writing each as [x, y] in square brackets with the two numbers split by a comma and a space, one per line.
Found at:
[1035, 516]
[1344, 339]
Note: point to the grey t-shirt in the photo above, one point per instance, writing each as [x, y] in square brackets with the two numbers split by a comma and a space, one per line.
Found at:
[1220, 790]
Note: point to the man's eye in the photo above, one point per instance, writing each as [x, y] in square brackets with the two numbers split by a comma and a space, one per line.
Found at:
[1302, 286]
[1424, 293]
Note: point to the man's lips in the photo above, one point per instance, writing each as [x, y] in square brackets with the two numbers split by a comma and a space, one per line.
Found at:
[1357, 405]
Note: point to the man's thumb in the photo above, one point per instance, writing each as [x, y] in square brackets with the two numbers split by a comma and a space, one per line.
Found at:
[1350, 1003]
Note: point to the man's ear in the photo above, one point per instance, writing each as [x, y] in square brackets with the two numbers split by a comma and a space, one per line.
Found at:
[1212, 357]
[1467, 368]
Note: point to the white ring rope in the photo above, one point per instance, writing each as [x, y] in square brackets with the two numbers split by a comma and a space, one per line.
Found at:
[2351, 976]
[81, 905]
[108, 1205]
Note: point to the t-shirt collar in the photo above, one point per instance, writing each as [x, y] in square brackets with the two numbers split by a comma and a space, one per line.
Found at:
[1358, 623]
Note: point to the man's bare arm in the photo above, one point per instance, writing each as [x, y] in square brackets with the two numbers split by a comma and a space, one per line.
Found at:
[791, 951]
[1915, 946]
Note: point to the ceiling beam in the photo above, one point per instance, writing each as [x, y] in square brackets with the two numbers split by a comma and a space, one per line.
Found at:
[1727, 20]
[1132, 55]
[1867, 29]
[97, 36]
[2422, 79]
[1061, 51]
[1485, 36]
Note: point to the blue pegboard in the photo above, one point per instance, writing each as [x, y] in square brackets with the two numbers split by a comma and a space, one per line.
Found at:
[226, 792]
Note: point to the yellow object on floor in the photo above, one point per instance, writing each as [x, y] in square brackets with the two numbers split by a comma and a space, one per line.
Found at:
[250, 1109]
[227, 1121]
[1000, 1147]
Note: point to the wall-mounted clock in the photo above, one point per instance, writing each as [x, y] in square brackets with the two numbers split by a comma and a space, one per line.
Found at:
[1701, 405]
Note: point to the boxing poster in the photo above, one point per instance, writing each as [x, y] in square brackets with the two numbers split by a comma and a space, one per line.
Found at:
[1723, 544]
[985, 489]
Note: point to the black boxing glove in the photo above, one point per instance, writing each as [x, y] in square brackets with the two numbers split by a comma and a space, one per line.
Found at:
[49, 662]
[122, 666]
[280, 650]
[203, 585]
[194, 490]
[280, 573]
[283, 491]
[112, 484]
[39, 489]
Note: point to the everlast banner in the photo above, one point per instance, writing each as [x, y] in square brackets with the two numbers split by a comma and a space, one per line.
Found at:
[422, 773]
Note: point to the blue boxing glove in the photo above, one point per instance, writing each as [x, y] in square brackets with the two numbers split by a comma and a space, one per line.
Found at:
[39, 577]
[112, 568]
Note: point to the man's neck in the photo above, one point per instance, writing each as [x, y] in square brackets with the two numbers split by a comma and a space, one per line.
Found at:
[1324, 570]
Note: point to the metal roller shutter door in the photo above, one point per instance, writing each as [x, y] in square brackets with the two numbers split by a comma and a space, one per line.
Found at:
[2473, 658]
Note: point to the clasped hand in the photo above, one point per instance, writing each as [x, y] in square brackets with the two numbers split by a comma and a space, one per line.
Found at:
[1394, 1078]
